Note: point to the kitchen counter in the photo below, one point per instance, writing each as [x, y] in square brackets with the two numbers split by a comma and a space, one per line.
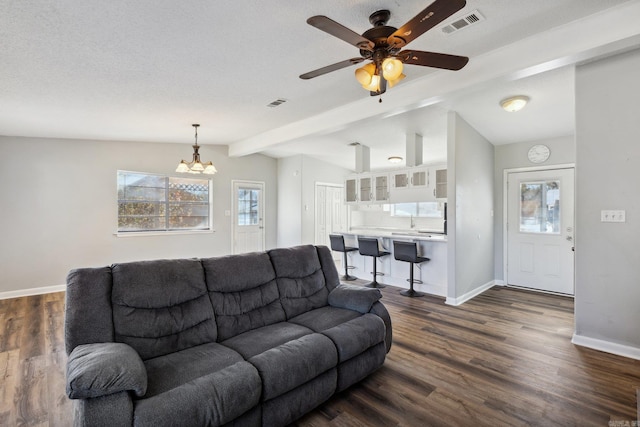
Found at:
[388, 233]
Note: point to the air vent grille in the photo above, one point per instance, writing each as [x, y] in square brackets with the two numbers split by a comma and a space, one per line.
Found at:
[471, 18]
[277, 102]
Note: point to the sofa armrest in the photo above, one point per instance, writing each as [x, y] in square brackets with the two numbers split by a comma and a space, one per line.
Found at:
[355, 298]
[95, 370]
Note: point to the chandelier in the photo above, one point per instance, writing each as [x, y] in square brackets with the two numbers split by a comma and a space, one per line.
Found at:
[196, 166]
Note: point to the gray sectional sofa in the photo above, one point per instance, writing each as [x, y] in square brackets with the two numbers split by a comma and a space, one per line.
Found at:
[241, 340]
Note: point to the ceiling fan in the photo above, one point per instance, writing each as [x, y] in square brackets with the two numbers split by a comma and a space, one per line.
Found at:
[382, 46]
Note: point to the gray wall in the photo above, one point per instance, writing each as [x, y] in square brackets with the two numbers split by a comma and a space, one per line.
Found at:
[511, 156]
[297, 177]
[470, 169]
[59, 207]
[608, 177]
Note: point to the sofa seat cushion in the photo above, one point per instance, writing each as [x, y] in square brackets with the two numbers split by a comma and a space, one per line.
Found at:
[324, 318]
[294, 363]
[210, 400]
[172, 370]
[262, 339]
[357, 335]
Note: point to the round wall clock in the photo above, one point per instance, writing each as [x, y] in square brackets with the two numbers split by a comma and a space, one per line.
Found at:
[538, 153]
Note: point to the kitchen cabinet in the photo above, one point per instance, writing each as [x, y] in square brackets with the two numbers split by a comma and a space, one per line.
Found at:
[351, 190]
[381, 183]
[441, 184]
[367, 188]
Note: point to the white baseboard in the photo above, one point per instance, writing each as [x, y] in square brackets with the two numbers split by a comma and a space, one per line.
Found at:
[32, 291]
[606, 346]
[471, 294]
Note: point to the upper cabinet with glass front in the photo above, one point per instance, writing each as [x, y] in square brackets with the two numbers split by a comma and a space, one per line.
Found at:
[367, 188]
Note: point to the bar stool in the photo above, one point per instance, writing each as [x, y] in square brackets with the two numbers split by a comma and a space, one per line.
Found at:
[368, 246]
[408, 252]
[337, 244]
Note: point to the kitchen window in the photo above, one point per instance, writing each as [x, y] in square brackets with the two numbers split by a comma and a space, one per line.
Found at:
[158, 203]
[418, 210]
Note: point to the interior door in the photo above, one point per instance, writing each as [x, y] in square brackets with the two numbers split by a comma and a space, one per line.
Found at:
[248, 217]
[330, 213]
[540, 224]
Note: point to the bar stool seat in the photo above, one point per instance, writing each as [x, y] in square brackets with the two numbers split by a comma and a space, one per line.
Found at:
[337, 244]
[408, 252]
[368, 246]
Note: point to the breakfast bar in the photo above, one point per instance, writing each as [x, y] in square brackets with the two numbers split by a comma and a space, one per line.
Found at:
[432, 245]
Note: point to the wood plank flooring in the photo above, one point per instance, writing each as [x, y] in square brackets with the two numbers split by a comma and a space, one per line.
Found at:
[503, 359]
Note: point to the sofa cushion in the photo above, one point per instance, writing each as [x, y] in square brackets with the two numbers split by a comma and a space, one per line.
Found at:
[294, 363]
[172, 370]
[162, 306]
[356, 336]
[324, 318]
[260, 340]
[300, 279]
[210, 400]
[243, 292]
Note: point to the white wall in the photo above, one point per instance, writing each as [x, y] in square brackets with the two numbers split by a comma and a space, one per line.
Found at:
[470, 168]
[510, 156]
[607, 296]
[297, 178]
[59, 205]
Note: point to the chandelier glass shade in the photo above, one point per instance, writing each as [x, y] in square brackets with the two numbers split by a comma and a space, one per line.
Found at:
[196, 166]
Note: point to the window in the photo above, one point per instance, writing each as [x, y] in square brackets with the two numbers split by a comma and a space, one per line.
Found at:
[420, 210]
[148, 202]
[248, 206]
[540, 207]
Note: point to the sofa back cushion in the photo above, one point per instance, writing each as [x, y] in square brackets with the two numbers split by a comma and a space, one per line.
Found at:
[243, 293]
[162, 306]
[300, 279]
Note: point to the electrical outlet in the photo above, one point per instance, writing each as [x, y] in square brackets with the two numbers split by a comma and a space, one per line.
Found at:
[613, 216]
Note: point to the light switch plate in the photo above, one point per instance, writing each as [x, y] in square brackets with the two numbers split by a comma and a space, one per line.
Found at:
[613, 216]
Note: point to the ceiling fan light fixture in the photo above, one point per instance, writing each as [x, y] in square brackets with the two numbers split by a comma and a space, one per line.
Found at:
[365, 74]
[514, 103]
[391, 68]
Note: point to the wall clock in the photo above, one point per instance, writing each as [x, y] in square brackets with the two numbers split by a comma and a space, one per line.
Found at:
[538, 153]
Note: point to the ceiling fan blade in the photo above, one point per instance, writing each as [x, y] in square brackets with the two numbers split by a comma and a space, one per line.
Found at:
[330, 68]
[433, 59]
[340, 31]
[434, 14]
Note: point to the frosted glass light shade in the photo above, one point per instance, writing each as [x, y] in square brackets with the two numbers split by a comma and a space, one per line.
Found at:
[210, 169]
[391, 68]
[395, 81]
[374, 86]
[182, 167]
[365, 74]
[515, 103]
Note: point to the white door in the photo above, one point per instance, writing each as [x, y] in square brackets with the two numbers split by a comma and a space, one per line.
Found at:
[540, 224]
[330, 212]
[248, 216]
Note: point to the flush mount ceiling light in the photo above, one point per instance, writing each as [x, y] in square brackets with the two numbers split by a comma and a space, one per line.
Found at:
[514, 103]
[395, 159]
[196, 166]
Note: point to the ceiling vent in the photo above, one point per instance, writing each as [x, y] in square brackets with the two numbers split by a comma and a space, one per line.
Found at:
[277, 102]
[471, 18]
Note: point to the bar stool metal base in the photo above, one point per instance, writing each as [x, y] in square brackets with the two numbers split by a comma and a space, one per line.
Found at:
[348, 278]
[375, 285]
[411, 293]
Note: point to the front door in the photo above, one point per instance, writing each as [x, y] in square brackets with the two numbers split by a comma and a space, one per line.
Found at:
[540, 224]
[248, 216]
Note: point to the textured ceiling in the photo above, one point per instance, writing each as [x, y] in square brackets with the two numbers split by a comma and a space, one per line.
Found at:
[145, 70]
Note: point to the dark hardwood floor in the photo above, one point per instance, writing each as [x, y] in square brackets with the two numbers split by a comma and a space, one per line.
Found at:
[504, 358]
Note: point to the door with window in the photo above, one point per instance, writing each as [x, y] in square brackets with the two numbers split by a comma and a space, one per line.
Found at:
[540, 224]
[248, 216]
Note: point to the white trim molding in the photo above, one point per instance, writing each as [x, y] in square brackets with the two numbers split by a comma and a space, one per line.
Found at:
[471, 294]
[32, 291]
[606, 346]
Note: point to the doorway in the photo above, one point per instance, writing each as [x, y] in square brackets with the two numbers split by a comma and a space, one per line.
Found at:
[247, 219]
[330, 215]
[540, 230]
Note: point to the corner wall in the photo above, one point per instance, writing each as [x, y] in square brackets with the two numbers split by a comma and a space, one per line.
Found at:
[59, 206]
[608, 177]
[470, 169]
